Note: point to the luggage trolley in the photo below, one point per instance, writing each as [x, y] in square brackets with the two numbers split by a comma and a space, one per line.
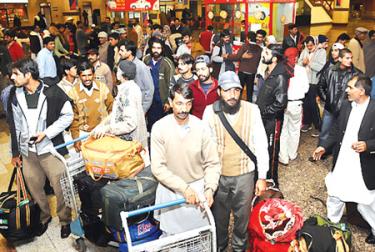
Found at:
[202, 239]
[73, 166]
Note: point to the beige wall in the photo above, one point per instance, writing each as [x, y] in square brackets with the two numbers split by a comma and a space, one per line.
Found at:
[58, 7]
[341, 13]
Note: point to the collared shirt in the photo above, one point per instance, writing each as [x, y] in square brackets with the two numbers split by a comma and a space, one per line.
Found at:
[103, 74]
[46, 64]
[66, 85]
[88, 92]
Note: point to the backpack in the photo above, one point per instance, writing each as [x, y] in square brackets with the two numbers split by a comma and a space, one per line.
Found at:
[321, 235]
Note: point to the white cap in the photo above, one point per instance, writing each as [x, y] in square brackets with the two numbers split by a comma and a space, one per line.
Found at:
[102, 34]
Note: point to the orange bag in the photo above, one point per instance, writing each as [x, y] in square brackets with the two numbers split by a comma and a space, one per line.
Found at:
[111, 157]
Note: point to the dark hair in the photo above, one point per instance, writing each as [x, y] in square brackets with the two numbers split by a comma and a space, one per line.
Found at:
[66, 64]
[10, 33]
[27, 65]
[48, 39]
[225, 33]
[343, 36]
[186, 32]
[344, 51]
[363, 82]
[157, 26]
[156, 40]
[83, 66]
[129, 46]
[309, 39]
[251, 36]
[182, 89]
[277, 51]
[291, 26]
[186, 58]
[130, 25]
[261, 32]
[210, 28]
[58, 26]
[114, 35]
[371, 33]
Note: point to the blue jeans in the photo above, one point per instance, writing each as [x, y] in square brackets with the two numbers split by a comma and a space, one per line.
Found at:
[327, 123]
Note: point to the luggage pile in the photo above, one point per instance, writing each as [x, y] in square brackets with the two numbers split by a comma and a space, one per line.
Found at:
[115, 181]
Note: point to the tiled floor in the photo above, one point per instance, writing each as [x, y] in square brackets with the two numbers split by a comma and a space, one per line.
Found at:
[51, 241]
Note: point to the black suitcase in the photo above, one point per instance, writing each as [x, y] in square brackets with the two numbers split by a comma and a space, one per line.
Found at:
[19, 214]
[89, 193]
[127, 194]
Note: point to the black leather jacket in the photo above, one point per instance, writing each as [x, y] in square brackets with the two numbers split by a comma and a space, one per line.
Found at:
[273, 94]
[332, 85]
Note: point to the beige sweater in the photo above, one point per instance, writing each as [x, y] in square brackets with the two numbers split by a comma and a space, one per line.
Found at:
[181, 156]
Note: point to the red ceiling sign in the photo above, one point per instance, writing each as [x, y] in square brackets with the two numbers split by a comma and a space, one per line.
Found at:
[133, 5]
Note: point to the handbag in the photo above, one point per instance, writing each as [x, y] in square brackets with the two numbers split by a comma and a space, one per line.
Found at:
[271, 191]
[111, 157]
[19, 214]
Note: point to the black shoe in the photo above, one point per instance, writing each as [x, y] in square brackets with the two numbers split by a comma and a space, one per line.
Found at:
[65, 231]
[43, 227]
[370, 239]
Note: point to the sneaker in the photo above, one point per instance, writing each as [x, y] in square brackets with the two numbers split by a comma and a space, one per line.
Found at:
[306, 128]
[315, 133]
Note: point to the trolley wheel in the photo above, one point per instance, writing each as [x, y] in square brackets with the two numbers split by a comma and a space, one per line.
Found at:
[80, 245]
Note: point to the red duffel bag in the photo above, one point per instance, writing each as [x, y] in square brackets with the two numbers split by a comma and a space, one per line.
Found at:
[273, 224]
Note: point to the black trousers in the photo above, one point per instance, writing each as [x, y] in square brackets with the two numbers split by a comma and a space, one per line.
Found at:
[273, 131]
[311, 113]
[248, 81]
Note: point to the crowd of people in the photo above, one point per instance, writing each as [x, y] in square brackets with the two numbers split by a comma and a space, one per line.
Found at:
[180, 96]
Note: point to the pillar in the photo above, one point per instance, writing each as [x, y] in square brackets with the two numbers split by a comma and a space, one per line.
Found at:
[340, 14]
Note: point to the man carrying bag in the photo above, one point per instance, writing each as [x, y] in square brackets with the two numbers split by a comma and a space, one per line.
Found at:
[236, 126]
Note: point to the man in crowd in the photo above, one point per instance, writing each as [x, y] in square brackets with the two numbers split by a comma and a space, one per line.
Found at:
[332, 87]
[354, 146]
[249, 57]
[70, 77]
[293, 39]
[356, 47]
[41, 114]
[36, 42]
[127, 119]
[162, 70]
[220, 54]
[101, 70]
[92, 102]
[204, 88]
[272, 101]
[297, 88]
[192, 172]
[343, 39]
[260, 38]
[81, 38]
[143, 78]
[185, 71]
[369, 52]
[313, 58]
[205, 38]
[113, 56]
[189, 46]
[14, 48]
[236, 184]
[103, 46]
[46, 62]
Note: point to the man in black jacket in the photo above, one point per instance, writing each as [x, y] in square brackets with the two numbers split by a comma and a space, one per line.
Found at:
[331, 89]
[293, 39]
[272, 100]
[353, 176]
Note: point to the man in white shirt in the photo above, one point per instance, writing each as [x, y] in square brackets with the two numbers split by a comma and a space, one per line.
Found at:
[352, 178]
[46, 62]
[69, 71]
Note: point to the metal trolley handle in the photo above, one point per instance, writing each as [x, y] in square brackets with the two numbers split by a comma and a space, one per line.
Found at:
[126, 215]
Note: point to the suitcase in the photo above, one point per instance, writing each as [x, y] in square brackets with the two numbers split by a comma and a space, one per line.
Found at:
[19, 214]
[144, 230]
[89, 193]
[126, 195]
